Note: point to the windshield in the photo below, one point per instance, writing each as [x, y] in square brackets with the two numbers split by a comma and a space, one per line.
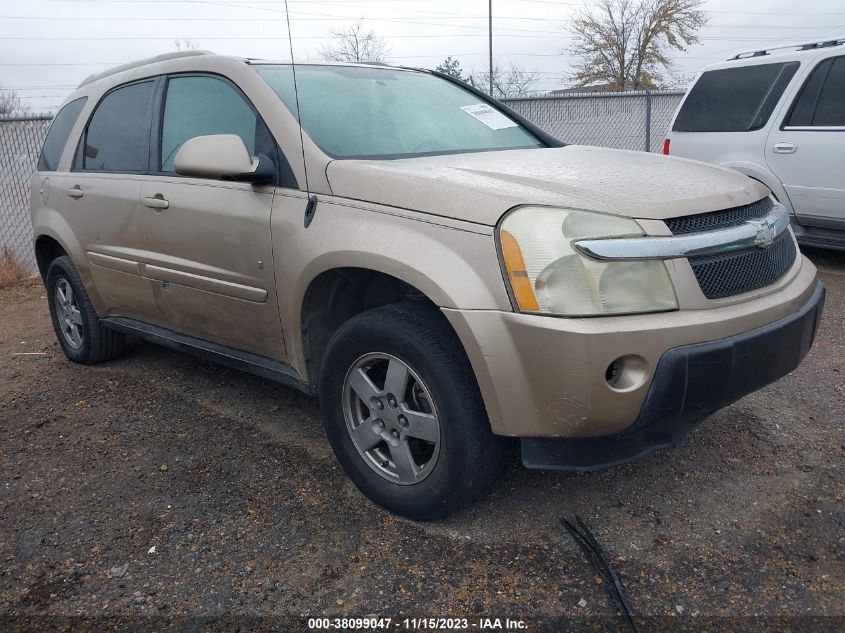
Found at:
[372, 112]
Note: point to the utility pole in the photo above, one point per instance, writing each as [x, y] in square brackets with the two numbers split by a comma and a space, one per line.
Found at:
[490, 42]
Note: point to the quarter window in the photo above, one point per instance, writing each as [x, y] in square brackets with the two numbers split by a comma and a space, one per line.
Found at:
[59, 132]
[117, 137]
[197, 106]
[737, 99]
[821, 102]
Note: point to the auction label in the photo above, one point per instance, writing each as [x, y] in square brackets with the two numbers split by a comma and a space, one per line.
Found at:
[490, 117]
[416, 624]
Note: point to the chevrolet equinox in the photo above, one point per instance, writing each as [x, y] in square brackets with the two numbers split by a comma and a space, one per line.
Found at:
[439, 271]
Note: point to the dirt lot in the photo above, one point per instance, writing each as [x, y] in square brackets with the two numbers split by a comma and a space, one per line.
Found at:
[159, 492]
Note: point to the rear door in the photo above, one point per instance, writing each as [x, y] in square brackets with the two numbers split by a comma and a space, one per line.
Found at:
[101, 199]
[209, 245]
[806, 149]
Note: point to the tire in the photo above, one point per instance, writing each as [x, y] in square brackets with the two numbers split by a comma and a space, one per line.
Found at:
[77, 326]
[466, 458]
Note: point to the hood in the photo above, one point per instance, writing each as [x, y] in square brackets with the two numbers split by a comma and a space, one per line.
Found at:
[480, 187]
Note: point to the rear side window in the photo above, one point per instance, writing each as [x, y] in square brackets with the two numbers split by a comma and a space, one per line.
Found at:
[821, 102]
[734, 99]
[197, 106]
[117, 137]
[59, 132]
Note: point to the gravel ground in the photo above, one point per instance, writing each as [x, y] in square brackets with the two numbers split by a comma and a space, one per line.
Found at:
[160, 492]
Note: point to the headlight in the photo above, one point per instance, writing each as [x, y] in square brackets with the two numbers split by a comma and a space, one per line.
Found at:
[548, 275]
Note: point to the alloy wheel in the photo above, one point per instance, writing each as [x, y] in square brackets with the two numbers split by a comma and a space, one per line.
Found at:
[68, 315]
[391, 418]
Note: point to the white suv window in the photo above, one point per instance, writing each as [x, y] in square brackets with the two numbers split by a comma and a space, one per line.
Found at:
[737, 99]
[821, 102]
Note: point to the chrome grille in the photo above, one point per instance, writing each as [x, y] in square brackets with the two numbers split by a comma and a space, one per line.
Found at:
[720, 219]
[725, 275]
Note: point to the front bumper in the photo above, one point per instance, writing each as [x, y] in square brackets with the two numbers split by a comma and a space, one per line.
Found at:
[546, 377]
[690, 382]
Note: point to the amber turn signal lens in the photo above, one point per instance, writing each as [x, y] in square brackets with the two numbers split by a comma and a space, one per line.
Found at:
[517, 273]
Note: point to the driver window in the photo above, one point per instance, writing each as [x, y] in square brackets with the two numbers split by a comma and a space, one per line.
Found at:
[197, 106]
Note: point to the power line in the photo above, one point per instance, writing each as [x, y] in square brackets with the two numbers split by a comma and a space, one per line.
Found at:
[499, 30]
[248, 6]
[262, 19]
[52, 38]
[561, 36]
[396, 57]
[383, 19]
[44, 87]
[772, 13]
[63, 64]
[245, 4]
[322, 17]
[40, 96]
[326, 18]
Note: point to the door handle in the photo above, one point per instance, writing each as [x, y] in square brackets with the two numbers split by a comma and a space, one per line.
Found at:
[156, 202]
[75, 192]
[785, 148]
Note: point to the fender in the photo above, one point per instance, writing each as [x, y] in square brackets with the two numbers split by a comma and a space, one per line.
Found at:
[763, 174]
[454, 264]
[47, 222]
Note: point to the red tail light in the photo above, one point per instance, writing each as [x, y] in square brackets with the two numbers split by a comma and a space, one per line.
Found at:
[666, 146]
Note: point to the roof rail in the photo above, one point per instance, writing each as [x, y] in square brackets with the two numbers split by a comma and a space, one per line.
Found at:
[808, 46]
[141, 62]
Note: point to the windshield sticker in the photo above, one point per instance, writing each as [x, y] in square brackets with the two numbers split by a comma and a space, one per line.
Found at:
[490, 117]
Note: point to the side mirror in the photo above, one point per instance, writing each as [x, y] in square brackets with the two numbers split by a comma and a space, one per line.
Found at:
[223, 157]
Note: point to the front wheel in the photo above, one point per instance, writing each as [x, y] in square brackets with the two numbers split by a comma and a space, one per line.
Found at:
[403, 412]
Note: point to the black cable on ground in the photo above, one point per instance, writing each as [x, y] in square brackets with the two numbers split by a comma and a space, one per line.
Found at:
[594, 552]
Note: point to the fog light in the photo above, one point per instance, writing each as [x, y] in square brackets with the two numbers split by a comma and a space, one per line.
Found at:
[626, 373]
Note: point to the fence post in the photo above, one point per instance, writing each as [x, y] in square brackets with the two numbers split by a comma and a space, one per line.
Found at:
[648, 120]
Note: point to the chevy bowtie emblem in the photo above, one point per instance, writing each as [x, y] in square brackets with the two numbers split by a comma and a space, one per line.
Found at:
[765, 233]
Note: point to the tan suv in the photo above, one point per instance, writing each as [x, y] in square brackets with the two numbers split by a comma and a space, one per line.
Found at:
[442, 273]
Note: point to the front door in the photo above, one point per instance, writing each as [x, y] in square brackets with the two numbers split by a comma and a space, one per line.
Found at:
[209, 246]
[806, 152]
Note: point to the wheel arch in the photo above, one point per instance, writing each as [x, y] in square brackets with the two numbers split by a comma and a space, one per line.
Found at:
[335, 295]
[762, 174]
[55, 238]
[50, 228]
[47, 248]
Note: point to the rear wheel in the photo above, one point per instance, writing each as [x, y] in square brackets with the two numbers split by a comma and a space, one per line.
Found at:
[403, 412]
[77, 325]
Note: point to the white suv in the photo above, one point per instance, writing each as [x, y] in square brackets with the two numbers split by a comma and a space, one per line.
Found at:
[776, 115]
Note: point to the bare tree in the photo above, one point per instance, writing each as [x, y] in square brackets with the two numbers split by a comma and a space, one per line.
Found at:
[355, 44]
[186, 45]
[451, 67]
[626, 43]
[10, 103]
[513, 81]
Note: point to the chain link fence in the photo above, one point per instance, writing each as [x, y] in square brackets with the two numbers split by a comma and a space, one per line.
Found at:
[627, 120]
[624, 120]
[20, 144]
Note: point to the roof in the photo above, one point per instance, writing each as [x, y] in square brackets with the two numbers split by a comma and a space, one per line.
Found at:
[141, 62]
[201, 53]
[795, 48]
[782, 54]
